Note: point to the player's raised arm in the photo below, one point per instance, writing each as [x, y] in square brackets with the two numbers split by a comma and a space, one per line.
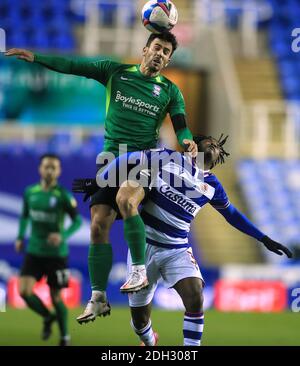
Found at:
[184, 135]
[178, 118]
[238, 220]
[93, 70]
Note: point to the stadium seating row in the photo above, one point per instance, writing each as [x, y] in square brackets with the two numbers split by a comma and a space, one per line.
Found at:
[285, 19]
[63, 144]
[271, 189]
[49, 25]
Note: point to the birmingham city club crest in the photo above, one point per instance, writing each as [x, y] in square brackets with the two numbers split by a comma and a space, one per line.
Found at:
[156, 90]
[53, 201]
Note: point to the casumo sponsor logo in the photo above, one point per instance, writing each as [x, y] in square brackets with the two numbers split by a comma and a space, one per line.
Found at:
[136, 102]
[166, 191]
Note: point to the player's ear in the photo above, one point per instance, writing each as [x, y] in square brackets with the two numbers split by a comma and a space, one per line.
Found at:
[145, 49]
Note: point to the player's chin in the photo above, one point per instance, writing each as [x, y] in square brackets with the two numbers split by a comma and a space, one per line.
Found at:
[157, 66]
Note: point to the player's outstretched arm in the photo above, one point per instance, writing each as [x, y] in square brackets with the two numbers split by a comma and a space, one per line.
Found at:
[21, 54]
[58, 64]
[234, 217]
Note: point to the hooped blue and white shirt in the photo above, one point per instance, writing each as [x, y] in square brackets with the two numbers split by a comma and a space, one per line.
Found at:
[178, 193]
[179, 189]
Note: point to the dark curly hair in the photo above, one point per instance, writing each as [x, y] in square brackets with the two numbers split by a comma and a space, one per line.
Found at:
[165, 36]
[216, 142]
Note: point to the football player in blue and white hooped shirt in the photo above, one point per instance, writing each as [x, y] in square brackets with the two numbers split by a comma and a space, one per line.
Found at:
[167, 215]
[179, 189]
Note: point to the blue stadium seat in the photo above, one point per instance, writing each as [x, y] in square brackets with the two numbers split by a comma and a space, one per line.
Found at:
[285, 18]
[287, 68]
[62, 143]
[93, 145]
[23, 15]
[273, 202]
[62, 41]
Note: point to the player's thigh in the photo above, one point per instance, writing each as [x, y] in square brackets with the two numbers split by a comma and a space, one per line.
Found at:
[105, 196]
[103, 215]
[31, 272]
[178, 264]
[26, 284]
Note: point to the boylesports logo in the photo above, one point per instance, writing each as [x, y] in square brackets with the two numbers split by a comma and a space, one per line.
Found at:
[187, 205]
[137, 104]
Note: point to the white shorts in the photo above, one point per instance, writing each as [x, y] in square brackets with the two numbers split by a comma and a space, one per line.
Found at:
[170, 265]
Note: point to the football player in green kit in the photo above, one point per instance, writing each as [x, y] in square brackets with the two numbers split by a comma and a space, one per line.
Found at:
[44, 207]
[137, 101]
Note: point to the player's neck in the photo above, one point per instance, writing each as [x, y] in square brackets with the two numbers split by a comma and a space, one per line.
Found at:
[48, 186]
[147, 72]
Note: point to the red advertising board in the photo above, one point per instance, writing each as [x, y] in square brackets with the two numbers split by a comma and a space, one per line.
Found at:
[70, 295]
[245, 295]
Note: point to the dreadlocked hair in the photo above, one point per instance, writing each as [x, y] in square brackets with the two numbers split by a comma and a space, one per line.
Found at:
[221, 158]
[219, 143]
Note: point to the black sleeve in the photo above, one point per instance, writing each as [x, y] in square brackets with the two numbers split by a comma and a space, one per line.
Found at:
[179, 122]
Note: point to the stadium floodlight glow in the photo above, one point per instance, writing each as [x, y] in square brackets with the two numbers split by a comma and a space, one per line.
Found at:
[2, 40]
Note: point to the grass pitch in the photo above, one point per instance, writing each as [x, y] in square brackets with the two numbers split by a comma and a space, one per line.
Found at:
[23, 328]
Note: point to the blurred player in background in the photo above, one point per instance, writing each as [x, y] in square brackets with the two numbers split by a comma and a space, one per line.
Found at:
[138, 99]
[44, 207]
[168, 212]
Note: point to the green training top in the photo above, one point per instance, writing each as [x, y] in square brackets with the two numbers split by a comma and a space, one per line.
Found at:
[136, 105]
[46, 212]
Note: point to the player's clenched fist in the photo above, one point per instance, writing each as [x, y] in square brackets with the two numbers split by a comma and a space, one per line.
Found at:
[21, 54]
[191, 147]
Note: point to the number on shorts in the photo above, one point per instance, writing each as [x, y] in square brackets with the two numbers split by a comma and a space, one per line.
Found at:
[62, 276]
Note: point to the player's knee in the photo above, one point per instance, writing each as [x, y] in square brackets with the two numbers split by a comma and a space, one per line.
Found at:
[126, 203]
[25, 292]
[55, 296]
[99, 230]
[194, 300]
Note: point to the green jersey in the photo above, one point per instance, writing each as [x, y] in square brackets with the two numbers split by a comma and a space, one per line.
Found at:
[46, 210]
[136, 105]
